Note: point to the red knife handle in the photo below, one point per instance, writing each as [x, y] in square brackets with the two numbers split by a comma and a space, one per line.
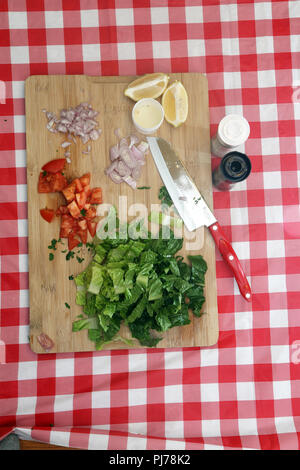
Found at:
[231, 259]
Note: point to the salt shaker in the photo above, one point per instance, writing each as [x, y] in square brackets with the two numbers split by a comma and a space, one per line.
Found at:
[233, 131]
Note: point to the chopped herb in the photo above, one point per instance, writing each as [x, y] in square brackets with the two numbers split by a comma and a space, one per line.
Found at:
[67, 305]
[69, 255]
[52, 246]
[79, 259]
[83, 212]
[51, 256]
[71, 277]
[44, 173]
[80, 244]
[143, 187]
[164, 196]
[64, 251]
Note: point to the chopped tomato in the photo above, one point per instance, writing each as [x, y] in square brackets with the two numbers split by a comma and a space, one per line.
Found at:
[96, 196]
[92, 227]
[57, 182]
[83, 235]
[91, 213]
[47, 214]
[78, 185]
[69, 191]
[87, 190]
[72, 242]
[62, 210]
[82, 223]
[43, 184]
[66, 226]
[87, 206]
[85, 179]
[74, 210]
[81, 199]
[54, 166]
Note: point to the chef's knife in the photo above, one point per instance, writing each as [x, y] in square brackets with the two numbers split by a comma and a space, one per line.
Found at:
[191, 206]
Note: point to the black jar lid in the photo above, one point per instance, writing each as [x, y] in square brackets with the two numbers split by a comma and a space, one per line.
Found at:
[236, 166]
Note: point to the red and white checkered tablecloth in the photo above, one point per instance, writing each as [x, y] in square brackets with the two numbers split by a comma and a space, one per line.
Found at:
[245, 391]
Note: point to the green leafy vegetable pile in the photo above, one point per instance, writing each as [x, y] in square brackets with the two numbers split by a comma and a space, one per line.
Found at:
[142, 283]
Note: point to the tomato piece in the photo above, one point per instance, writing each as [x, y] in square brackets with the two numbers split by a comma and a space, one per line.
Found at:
[87, 206]
[85, 179]
[92, 227]
[74, 210]
[66, 226]
[82, 224]
[96, 196]
[57, 182]
[81, 199]
[91, 213]
[69, 191]
[54, 166]
[87, 190]
[47, 214]
[62, 210]
[78, 185]
[43, 184]
[83, 235]
[72, 242]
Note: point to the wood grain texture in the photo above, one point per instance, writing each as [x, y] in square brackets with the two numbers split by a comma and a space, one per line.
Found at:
[48, 281]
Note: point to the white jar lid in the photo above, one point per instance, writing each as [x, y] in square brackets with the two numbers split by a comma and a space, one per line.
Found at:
[233, 130]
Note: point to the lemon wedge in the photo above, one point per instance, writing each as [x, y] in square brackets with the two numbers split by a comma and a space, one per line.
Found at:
[175, 103]
[151, 85]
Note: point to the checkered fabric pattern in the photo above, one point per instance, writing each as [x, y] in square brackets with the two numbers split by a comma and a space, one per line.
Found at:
[243, 392]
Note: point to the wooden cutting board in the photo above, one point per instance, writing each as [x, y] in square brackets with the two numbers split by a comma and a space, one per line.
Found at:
[49, 285]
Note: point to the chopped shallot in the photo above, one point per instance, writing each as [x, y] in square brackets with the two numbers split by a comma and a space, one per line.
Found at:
[45, 341]
[127, 157]
[75, 122]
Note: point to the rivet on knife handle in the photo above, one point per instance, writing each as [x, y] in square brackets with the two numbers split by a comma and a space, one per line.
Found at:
[231, 259]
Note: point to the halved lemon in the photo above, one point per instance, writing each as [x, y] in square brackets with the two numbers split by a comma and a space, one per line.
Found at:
[151, 85]
[175, 103]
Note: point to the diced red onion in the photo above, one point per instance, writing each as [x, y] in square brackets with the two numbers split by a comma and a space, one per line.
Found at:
[115, 177]
[45, 341]
[123, 169]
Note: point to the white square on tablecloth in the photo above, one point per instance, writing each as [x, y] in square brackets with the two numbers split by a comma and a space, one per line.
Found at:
[19, 54]
[243, 320]
[279, 319]
[26, 405]
[275, 249]
[277, 283]
[22, 228]
[161, 49]
[248, 427]
[56, 53]
[228, 12]
[89, 18]
[21, 192]
[17, 19]
[137, 362]
[24, 298]
[274, 214]
[18, 89]
[20, 158]
[136, 443]
[196, 47]
[209, 357]
[272, 179]
[239, 215]
[297, 105]
[193, 14]
[268, 112]
[23, 263]
[27, 370]
[230, 46]
[174, 445]
[173, 360]
[126, 51]
[98, 441]
[280, 353]
[264, 45]
[24, 334]
[293, 9]
[91, 52]
[270, 146]
[242, 249]
[101, 399]
[19, 124]
[281, 389]
[211, 428]
[173, 393]
[174, 429]
[263, 10]
[159, 15]
[232, 80]
[138, 428]
[101, 365]
[244, 355]
[124, 16]
[59, 438]
[284, 424]
[54, 19]
[64, 367]
[63, 403]
[245, 391]
[266, 78]
[137, 396]
[209, 392]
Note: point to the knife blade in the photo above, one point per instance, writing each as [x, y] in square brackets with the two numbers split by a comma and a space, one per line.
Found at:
[192, 207]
